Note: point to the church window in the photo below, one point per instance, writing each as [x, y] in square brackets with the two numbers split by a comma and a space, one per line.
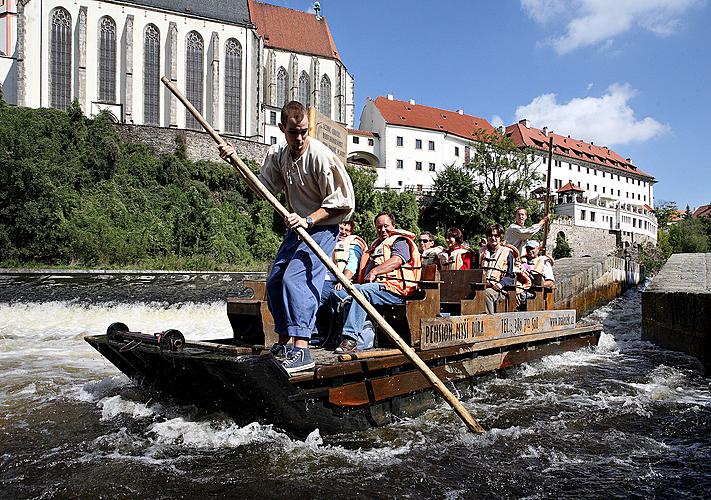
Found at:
[325, 96]
[233, 85]
[282, 87]
[151, 75]
[194, 70]
[60, 64]
[107, 60]
[305, 89]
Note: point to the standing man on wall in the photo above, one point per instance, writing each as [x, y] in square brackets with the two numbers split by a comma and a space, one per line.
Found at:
[320, 195]
[518, 234]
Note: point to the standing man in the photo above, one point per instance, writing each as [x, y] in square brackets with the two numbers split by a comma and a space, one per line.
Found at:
[497, 261]
[319, 194]
[428, 251]
[389, 272]
[517, 234]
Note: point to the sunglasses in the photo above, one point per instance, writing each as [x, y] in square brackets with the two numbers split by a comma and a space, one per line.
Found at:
[424, 241]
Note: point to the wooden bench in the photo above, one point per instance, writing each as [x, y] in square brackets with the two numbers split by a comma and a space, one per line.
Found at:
[543, 295]
[250, 318]
[462, 291]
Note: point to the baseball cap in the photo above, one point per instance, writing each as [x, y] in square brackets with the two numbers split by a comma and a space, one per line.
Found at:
[533, 244]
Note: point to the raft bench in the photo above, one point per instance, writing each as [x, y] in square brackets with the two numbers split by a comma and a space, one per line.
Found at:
[250, 318]
[462, 292]
[543, 299]
[405, 318]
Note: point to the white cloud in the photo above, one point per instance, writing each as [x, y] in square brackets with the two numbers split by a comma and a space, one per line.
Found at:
[591, 22]
[605, 120]
[496, 121]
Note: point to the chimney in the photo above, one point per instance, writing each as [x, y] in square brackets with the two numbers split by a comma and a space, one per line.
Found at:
[629, 160]
[412, 102]
[545, 131]
[524, 122]
[460, 111]
[390, 97]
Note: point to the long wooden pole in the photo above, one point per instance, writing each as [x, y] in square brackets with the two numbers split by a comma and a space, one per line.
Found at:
[548, 193]
[260, 189]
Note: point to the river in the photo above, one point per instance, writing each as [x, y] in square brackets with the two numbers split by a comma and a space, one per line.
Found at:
[623, 419]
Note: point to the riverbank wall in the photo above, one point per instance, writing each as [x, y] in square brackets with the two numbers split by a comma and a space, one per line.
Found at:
[586, 283]
[676, 307]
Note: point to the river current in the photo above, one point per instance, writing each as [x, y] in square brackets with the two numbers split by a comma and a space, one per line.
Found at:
[623, 419]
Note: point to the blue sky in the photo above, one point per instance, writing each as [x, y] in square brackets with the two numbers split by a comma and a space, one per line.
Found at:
[634, 75]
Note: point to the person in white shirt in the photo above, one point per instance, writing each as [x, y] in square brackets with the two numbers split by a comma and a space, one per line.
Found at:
[517, 234]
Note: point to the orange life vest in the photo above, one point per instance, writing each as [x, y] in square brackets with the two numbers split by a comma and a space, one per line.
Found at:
[403, 280]
[495, 265]
[456, 259]
[539, 263]
[343, 249]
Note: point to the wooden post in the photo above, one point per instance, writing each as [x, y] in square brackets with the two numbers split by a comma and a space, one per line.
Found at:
[255, 184]
[548, 194]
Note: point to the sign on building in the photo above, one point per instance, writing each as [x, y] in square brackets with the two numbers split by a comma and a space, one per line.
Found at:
[331, 133]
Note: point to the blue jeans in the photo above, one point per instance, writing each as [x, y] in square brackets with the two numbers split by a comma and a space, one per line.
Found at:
[295, 281]
[355, 315]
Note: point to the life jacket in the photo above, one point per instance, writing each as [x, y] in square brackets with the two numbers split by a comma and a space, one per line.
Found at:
[539, 263]
[403, 280]
[343, 249]
[456, 259]
[523, 278]
[495, 265]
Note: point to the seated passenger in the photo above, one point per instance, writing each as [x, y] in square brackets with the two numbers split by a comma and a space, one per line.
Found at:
[389, 272]
[346, 256]
[458, 254]
[428, 251]
[497, 261]
[539, 264]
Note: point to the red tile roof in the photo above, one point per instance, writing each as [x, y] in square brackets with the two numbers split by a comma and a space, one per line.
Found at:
[677, 215]
[702, 211]
[416, 115]
[365, 133]
[570, 187]
[293, 30]
[572, 148]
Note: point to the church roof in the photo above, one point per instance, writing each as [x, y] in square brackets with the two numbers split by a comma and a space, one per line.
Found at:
[293, 30]
[416, 115]
[576, 149]
[227, 11]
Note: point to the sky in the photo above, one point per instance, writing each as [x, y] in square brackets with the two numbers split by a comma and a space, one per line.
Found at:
[633, 75]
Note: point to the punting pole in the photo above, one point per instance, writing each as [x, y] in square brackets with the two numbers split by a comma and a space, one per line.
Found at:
[260, 189]
[548, 193]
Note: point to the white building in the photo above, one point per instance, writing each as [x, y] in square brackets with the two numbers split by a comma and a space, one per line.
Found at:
[412, 142]
[236, 60]
[594, 186]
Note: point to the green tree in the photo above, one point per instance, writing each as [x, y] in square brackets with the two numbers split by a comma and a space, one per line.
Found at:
[562, 248]
[665, 212]
[688, 236]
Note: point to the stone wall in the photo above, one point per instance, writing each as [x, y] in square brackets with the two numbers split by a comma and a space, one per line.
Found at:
[586, 283]
[583, 241]
[200, 145]
[676, 308]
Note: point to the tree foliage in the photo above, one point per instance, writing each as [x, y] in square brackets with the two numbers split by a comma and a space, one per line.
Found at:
[486, 190]
[562, 248]
[73, 194]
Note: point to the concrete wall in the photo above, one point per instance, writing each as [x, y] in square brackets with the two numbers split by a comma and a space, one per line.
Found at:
[200, 145]
[676, 308]
[585, 284]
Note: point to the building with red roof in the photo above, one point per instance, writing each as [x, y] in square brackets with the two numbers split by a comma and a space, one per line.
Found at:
[702, 211]
[594, 186]
[412, 142]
